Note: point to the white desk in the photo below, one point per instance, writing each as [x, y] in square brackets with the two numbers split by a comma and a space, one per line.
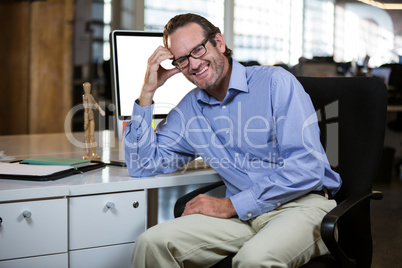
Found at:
[85, 220]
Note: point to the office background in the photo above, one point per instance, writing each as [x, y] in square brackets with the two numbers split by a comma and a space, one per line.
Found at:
[49, 48]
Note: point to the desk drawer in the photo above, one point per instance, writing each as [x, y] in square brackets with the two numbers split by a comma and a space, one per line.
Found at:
[49, 261]
[108, 219]
[102, 257]
[43, 229]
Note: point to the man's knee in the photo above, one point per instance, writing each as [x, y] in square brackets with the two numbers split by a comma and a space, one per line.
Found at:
[146, 245]
[152, 237]
[248, 257]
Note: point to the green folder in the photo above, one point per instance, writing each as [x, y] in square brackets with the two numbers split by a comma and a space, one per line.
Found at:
[60, 161]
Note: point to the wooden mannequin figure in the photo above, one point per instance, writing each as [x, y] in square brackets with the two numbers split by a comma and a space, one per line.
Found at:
[89, 122]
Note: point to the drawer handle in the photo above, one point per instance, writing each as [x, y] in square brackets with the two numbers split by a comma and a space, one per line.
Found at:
[110, 205]
[26, 214]
[136, 204]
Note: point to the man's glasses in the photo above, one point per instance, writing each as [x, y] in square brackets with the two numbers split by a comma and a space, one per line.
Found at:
[196, 53]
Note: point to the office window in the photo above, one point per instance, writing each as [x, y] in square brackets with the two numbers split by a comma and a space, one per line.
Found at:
[265, 31]
[92, 31]
[359, 35]
[318, 30]
[96, 27]
[398, 47]
[107, 18]
[157, 13]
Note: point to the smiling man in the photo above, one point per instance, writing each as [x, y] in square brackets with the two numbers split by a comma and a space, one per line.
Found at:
[247, 124]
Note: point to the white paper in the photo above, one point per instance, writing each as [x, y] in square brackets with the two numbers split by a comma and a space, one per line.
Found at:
[30, 170]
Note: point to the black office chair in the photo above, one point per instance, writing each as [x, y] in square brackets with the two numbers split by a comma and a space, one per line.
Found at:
[359, 105]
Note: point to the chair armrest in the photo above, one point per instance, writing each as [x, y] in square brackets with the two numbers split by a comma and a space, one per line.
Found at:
[182, 201]
[329, 223]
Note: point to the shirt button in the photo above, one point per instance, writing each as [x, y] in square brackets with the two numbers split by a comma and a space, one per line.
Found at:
[223, 107]
[237, 154]
[135, 144]
[278, 204]
[249, 215]
[227, 131]
[139, 116]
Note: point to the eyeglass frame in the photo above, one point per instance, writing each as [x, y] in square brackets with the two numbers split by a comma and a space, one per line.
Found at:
[203, 44]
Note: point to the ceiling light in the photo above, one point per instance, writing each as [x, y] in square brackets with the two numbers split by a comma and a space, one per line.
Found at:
[387, 6]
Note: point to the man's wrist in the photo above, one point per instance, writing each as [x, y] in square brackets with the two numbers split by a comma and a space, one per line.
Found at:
[145, 99]
[230, 208]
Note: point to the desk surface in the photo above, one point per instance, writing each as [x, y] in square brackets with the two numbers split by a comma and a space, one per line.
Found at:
[108, 179]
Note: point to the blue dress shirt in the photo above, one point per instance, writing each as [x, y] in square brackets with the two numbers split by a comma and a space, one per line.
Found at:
[262, 139]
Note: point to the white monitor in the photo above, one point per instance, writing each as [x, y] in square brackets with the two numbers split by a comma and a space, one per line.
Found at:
[130, 51]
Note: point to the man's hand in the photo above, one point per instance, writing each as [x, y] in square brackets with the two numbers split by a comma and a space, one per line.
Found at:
[210, 206]
[156, 75]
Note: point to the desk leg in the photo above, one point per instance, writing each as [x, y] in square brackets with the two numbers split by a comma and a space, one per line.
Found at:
[152, 199]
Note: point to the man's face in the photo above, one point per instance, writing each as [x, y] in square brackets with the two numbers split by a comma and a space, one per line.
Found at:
[206, 72]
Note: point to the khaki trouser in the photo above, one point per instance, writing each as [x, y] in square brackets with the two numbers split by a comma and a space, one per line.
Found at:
[286, 237]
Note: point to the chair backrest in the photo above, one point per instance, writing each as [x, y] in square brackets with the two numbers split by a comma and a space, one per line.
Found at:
[352, 119]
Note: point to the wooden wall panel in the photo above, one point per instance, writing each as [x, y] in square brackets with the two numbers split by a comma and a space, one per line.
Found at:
[50, 65]
[36, 65]
[14, 56]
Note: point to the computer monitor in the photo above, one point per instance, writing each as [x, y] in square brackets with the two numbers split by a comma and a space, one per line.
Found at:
[130, 51]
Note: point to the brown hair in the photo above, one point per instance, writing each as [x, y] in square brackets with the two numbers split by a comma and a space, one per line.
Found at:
[182, 20]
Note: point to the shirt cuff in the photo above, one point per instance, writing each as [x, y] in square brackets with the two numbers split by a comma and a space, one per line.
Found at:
[245, 205]
[141, 115]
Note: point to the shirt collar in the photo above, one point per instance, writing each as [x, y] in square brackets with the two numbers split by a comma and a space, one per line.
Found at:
[238, 82]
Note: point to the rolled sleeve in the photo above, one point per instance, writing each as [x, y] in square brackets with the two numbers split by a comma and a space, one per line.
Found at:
[141, 115]
[141, 121]
[137, 132]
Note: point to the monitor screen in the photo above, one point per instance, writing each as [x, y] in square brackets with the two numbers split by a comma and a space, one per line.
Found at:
[130, 53]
